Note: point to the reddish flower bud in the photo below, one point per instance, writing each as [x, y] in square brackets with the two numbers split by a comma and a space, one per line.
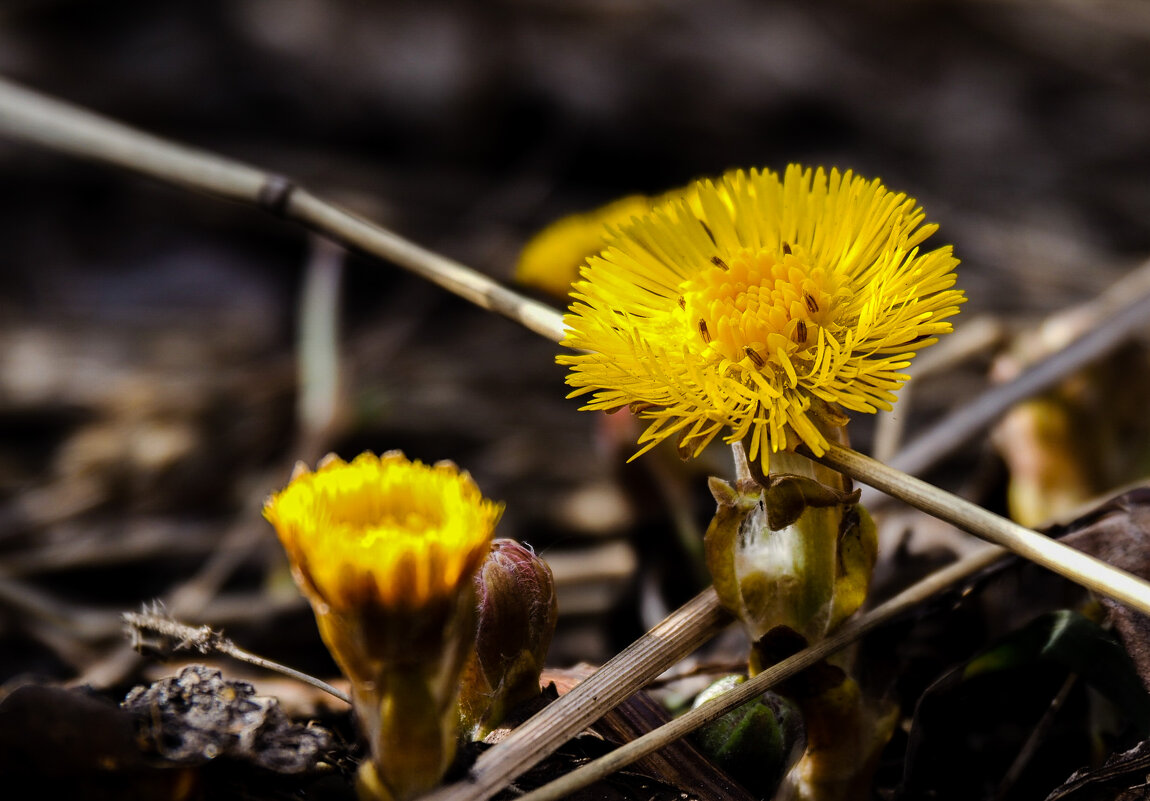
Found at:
[517, 613]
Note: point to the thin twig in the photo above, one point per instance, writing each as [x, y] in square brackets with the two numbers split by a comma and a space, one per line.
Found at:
[176, 636]
[80, 623]
[530, 743]
[1121, 311]
[37, 119]
[138, 542]
[1037, 737]
[741, 694]
[317, 342]
[968, 340]
[70, 631]
[1094, 574]
[188, 598]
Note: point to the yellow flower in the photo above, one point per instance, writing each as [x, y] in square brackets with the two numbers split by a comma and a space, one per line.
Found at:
[386, 551]
[763, 306]
[551, 259]
[383, 530]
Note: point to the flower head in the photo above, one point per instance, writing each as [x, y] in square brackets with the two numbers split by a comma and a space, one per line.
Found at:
[383, 530]
[386, 551]
[762, 305]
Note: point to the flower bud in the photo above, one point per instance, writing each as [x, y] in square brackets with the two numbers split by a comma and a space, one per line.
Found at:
[517, 613]
[755, 743]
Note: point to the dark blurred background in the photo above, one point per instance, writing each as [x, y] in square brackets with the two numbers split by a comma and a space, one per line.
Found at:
[147, 335]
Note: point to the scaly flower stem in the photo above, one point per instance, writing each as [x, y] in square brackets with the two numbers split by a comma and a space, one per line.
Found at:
[1079, 567]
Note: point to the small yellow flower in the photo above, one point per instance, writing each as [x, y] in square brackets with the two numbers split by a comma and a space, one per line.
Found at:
[551, 259]
[760, 305]
[383, 530]
[386, 550]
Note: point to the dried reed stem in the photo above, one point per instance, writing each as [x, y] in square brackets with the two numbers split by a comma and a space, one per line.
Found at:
[1079, 567]
[31, 117]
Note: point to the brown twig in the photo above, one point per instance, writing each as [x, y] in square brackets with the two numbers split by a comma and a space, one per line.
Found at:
[1120, 312]
[186, 600]
[968, 340]
[135, 543]
[1040, 732]
[168, 634]
[317, 346]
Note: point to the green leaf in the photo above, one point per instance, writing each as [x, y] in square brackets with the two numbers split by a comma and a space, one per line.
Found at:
[1080, 645]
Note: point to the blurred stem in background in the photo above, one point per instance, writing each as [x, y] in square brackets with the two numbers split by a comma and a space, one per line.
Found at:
[319, 363]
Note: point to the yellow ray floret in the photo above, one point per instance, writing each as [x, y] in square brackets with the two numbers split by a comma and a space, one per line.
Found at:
[383, 530]
[760, 308]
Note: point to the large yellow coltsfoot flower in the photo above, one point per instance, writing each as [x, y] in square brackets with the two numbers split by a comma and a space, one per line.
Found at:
[763, 306]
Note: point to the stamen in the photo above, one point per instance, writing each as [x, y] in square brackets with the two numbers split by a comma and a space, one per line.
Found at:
[812, 304]
[800, 332]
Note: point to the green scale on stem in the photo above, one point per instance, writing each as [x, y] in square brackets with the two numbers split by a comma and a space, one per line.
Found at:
[792, 552]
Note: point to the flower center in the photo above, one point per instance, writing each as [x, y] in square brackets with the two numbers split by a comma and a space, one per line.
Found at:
[763, 307]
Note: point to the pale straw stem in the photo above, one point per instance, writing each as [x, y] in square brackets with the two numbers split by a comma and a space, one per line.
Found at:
[31, 117]
[1094, 574]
